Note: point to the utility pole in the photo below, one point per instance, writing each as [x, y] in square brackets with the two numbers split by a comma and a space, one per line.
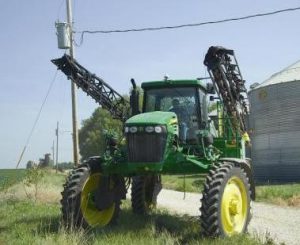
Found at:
[57, 130]
[53, 157]
[73, 88]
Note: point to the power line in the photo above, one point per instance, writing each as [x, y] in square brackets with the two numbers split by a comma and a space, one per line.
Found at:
[37, 118]
[184, 25]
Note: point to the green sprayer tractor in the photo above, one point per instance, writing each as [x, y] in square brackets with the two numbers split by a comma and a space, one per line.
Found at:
[171, 134]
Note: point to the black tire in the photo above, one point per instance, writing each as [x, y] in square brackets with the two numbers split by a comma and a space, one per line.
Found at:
[72, 214]
[144, 192]
[212, 221]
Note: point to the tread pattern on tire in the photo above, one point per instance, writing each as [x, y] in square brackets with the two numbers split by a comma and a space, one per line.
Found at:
[71, 195]
[138, 195]
[211, 197]
[143, 193]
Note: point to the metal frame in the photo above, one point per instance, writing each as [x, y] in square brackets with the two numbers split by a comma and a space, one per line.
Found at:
[95, 87]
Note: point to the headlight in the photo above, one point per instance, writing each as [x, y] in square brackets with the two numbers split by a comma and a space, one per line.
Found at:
[149, 129]
[126, 129]
[133, 129]
[158, 129]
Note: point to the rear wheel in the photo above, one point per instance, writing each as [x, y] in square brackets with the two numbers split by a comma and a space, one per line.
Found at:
[225, 208]
[79, 198]
[144, 192]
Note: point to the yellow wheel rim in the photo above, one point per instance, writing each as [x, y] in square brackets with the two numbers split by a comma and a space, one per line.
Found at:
[91, 214]
[234, 206]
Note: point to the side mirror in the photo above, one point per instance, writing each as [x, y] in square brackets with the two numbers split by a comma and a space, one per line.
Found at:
[210, 89]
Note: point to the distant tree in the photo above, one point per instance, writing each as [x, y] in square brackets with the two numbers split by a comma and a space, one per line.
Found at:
[91, 134]
[65, 165]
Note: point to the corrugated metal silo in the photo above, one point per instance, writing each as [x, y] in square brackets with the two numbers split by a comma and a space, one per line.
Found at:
[275, 120]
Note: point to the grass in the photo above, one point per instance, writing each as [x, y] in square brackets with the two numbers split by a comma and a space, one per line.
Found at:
[284, 195]
[23, 221]
[188, 183]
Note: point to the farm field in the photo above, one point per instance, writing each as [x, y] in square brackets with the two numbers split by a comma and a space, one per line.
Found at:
[28, 220]
[9, 177]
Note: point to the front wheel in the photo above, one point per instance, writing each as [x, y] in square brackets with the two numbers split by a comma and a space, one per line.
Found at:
[225, 208]
[144, 192]
[78, 201]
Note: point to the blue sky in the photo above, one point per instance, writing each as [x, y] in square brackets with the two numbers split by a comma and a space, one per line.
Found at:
[28, 42]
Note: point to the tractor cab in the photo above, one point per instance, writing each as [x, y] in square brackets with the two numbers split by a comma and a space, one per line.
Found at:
[185, 98]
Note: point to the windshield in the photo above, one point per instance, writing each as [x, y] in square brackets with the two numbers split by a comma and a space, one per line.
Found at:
[161, 99]
[188, 103]
[185, 102]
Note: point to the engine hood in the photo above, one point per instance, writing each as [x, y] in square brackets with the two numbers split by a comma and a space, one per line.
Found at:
[153, 118]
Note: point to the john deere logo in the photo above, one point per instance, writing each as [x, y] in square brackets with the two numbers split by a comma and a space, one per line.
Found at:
[262, 95]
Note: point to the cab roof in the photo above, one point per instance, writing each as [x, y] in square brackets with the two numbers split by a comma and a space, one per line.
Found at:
[175, 83]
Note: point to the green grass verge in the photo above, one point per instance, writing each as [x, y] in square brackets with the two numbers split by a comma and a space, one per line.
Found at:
[23, 221]
[286, 195]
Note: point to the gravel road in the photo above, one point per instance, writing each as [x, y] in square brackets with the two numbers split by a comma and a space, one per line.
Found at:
[281, 223]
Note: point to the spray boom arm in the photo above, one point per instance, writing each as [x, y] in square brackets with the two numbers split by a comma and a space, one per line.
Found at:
[229, 84]
[95, 87]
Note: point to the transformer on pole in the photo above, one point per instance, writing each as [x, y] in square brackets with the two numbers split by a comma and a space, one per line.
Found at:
[63, 37]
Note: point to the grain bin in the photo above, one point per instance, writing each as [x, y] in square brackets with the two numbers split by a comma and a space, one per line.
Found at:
[275, 120]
